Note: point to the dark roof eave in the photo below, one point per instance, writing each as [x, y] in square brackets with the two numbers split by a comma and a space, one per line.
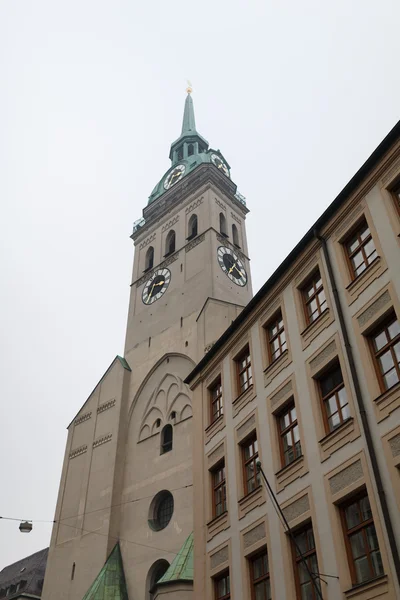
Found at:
[378, 153]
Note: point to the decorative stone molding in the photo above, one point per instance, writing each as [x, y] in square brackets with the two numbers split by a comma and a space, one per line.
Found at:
[392, 172]
[83, 418]
[162, 265]
[220, 204]
[246, 427]
[254, 535]
[216, 455]
[147, 241]
[349, 221]
[346, 477]
[106, 406]
[394, 444]
[219, 557]
[208, 347]
[102, 440]
[194, 205]
[78, 451]
[170, 395]
[170, 224]
[330, 349]
[281, 394]
[235, 218]
[195, 242]
[373, 309]
[297, 508]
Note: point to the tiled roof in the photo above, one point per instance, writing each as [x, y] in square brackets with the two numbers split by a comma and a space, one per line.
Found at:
[110, 582]
[30, 570]
[181, 568]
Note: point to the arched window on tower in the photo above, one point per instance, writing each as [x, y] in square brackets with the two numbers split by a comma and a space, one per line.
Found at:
[222, 224]
[235, 235]
[180, 153]
[157, 570]
[192, 227]
[166, 439]
[190, 150]
[170, 243]
[149, 260]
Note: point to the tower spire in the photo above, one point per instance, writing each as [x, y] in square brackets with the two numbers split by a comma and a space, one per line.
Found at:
[188, 123]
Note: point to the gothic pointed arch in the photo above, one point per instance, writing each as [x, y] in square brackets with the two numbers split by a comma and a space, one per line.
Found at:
[170, 242]
[192, 227]
[222, 224]
[149, 259]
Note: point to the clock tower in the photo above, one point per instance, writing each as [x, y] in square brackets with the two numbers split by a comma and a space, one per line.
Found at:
[126, 486]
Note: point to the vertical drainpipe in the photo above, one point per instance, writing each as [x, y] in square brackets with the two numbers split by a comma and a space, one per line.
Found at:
[363, 413]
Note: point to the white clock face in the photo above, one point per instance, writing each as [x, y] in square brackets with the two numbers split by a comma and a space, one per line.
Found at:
[174, 176]
[156, 286]
[219, 163]
[232, 266]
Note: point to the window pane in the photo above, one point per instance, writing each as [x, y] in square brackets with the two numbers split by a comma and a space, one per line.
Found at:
[296, 434]
[380, 340]
[357, 543]
[331, 406]
[352, 515]
[386, 361]
[293, 413]
[342, 397]
[396, 348]
[391, 379]
[377, 563]
[362, 569]
[365, 507]
[345, 412]
[353, 245]
[370, 248]
[334, 421]
[372, 538]
[394, 329]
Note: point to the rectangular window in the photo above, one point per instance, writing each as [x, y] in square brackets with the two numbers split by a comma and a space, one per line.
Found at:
[289, 435]
[276, 338]
[243, 368]
[222, 587]
[259, 577]
[219, 490]
[335, 406]
[306, 544]
[216, 400]
[361, 540]
[314, 298]
[396, 196]
[360, 249]
[251, 477]
[385, 343]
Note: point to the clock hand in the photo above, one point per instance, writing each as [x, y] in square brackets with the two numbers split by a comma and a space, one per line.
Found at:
[151, 292]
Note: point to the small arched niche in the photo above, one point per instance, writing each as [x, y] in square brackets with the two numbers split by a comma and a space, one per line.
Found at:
[156, 571]
[222, 224]
[149, 260]
[192, 227]
[170, 243]
[190, 149]
[166, 439]
[235, 235]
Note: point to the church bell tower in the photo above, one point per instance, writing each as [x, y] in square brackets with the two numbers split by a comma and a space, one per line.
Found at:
[125, 499]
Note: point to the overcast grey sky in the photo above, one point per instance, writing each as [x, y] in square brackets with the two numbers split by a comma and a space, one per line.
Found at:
[295, 94]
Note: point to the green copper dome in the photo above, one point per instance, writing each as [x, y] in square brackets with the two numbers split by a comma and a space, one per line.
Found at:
[187, 152]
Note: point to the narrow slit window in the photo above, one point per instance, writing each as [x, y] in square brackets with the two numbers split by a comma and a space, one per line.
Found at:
[166, 439]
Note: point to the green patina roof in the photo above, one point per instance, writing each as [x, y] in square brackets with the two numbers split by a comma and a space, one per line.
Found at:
[181, 568]
[124, 363]
[110, 582]
[179, 153]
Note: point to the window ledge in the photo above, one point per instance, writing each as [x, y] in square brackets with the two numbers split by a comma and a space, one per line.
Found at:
[276, 361]
[218, 420]
[288, 467]
[317, 320]
[335, 433]
[249, 389]
[225, 235]
[361, 275]
[147, 270]
[361, 588]
[191, 237]
[237, 246]
[250, 494]
[215, 520]
[382, 397]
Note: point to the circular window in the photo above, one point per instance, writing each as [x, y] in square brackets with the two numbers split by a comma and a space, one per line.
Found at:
[161, 510]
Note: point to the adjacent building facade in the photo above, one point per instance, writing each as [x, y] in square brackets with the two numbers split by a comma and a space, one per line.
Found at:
[124, 514]
[24, 578]
[306, 385]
